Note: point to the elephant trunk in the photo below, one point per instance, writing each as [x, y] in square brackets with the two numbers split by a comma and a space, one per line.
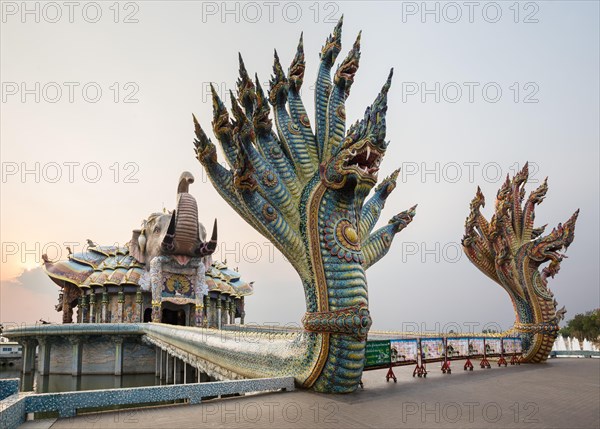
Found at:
[183, 235]
[187, 236]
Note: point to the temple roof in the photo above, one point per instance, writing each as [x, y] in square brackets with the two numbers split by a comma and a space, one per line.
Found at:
[114, 266]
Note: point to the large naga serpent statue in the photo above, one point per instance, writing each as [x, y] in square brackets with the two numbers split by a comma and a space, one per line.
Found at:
[510, 250]
[305, 191]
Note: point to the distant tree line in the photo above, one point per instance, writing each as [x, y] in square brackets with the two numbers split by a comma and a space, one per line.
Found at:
[586, 325]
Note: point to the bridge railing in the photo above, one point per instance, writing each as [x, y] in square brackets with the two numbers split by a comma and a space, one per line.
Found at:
[14, 408]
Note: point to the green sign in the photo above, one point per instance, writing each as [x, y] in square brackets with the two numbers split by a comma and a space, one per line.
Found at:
[377, 353]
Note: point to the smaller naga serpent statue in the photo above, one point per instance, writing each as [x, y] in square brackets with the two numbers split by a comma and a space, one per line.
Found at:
[305, 191]
[510, 251]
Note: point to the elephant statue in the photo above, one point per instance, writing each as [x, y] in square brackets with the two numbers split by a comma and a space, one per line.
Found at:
[176, 233]
[167, 258]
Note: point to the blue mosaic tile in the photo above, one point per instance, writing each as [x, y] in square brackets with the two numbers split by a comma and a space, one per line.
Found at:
[8, 387]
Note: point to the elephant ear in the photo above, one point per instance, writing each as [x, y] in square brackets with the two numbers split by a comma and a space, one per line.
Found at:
[136, 244]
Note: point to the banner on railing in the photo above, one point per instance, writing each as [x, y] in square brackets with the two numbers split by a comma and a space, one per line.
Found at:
[378, 353]
[404, 351]
[458, 348]
[493, 346]
[432, 348]
[512, 346]
[476, 346]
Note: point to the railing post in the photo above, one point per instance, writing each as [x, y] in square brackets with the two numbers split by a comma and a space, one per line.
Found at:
[44, 355]
[76, 347]
[28, 355]
[175, 372]
[157, 361]
[118, 354]
[169, 371]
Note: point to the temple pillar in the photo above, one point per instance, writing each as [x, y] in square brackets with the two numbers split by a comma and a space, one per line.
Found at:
[118, 354]
[76, 354]
[120, 302]
[206, 322]
[105, 306]
[45, 344]
[218, 304]
[232, 311]
[92, 317]
[243, 312]
[225, 314]
[199, 313]
[28, 355]
[80, 309]
[139, 315]
[67, 309]
[156, 311]
[85, 314]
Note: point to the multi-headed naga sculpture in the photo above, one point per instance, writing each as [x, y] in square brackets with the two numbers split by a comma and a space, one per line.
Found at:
[510, 251]
[305, 191]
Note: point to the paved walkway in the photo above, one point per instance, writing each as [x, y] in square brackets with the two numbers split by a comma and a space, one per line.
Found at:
[564, 393]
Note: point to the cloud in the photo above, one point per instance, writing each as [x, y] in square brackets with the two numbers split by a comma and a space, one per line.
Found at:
[27, 298]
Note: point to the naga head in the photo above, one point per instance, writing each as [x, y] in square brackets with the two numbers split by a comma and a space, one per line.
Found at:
[549, 248]
[296, 70]
[388, 184]
[261, 120]
[402, 219]
[333, 45]
[204, 148]
[354, 165]
[245, 88]
[221, 125]
[344, 75]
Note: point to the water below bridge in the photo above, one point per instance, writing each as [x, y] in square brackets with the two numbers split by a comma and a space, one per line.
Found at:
[67, 383]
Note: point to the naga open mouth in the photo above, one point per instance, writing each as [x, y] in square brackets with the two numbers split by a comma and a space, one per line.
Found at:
[347, 71]
[296, 72]
[554, 253]
[365, 160]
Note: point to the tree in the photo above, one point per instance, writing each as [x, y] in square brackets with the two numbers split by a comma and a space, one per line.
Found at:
[586, 325]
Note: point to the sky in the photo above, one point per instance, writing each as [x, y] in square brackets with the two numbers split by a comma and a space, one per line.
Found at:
[95, 129]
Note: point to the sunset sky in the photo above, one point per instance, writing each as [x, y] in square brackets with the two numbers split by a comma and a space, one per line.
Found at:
[96, 127]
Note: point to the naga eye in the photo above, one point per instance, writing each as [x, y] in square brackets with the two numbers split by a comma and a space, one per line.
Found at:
[156, 229]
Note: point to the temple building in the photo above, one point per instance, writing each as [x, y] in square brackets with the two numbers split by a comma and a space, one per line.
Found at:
[108, 285]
